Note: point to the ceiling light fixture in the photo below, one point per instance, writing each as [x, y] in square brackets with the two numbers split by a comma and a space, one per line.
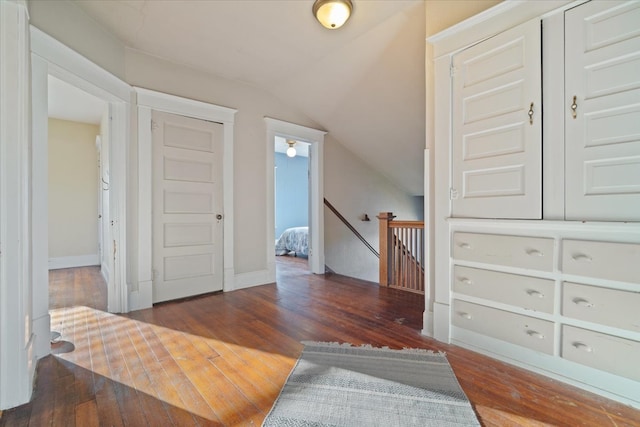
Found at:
[291, 151]
[332, 14]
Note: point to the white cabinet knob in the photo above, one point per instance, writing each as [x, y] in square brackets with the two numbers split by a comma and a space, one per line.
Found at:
[464, 245]
[535, 334]
[464, 315]
[581, 258]
[535, 252]
[465, 280]
[534, 293]
[582, 302]
[582, 346]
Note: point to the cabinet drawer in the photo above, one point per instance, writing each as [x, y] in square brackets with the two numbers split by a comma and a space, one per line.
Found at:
[608, 353]
[514, 251]
[611, 307]
[526, 331]
[604, 260]
[531, 293]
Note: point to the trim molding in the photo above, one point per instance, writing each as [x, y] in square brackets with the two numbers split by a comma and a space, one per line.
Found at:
[492, 21]
[315, 138]
[148, 100]
[73, 261]
[17, 339]
[254, 278]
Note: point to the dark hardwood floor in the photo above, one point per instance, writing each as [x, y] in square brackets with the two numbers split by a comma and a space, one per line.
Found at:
[222, 359]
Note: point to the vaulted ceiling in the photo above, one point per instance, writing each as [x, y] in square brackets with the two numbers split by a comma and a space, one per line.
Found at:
[363, 83]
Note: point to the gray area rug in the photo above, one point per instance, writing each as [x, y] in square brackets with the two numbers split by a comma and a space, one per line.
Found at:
[343, 385]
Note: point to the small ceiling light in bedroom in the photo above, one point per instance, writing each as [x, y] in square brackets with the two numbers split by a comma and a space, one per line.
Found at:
[291, 151]
[332, 14]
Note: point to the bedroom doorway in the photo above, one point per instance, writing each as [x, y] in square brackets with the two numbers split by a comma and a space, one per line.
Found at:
[314, 139]
[291, 190]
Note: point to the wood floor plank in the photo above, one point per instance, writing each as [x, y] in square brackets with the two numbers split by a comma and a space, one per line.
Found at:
[221, 360]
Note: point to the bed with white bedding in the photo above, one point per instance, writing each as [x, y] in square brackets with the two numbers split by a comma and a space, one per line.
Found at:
[295, 239]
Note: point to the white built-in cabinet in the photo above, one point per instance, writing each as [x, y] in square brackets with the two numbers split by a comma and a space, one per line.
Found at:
[537, 190]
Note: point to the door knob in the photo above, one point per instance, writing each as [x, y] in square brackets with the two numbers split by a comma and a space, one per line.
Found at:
[219, 217]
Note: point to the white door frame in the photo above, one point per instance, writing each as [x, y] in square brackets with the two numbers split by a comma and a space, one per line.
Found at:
[315, 139]
[50, 57]
[148, 100]
[17, 364]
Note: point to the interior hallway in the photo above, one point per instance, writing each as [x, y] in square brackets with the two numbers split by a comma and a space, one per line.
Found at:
[222, 359]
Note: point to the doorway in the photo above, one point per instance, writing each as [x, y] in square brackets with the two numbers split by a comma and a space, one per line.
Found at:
[51, 58]
[78, 178]
[315, 140]
[291, 174]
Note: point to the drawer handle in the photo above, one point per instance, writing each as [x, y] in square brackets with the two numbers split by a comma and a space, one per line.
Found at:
[582, 258]
[534, 293]
[464, 245]
[582, 302]
[535, 252]
[465, 280]
[535, 334]
[582, 346]
[464, 315]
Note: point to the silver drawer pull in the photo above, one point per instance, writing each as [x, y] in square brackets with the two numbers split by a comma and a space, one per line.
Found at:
[535, 252]
[535, 334]
[581, 258]
[534, 293]
[465, 280]
[464, 315]
[582, 302]
[464, 245]
[582, 346]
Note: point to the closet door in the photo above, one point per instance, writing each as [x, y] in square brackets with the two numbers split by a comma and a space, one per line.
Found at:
[496, 127]
[603, 111]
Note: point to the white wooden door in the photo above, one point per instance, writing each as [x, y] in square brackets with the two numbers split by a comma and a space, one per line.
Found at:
[602, 50]
[497, 125]
[187, 206]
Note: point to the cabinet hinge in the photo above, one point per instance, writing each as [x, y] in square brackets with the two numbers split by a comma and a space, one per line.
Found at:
[453, 194]
[452, 70]
[154, 125]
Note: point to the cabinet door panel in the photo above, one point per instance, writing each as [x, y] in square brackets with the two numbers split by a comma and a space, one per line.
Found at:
[533, 253]
[608, 353]
[606, 260]
[496, 147]
[536, 334]
[602, 48]
[531, 293]
[611, 307]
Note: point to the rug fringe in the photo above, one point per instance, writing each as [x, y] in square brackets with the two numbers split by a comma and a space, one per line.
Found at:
[371, 347]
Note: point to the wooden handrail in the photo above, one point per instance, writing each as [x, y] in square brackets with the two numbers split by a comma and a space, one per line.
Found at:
[401, 253]
[351, 227]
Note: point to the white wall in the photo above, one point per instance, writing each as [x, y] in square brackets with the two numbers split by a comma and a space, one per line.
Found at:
[249, 141]
[354, 189]
[73, 194]
[253, 105]
[67, 23]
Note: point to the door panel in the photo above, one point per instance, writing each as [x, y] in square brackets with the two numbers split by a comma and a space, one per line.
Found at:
[497, 149]
[603, 123]
[187, 192]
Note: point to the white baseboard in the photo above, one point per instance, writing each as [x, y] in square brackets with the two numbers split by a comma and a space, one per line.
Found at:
[42, 332]
[106, 273]
[73, 261]
[143, 297]
[254, 278]
[441, 322]
[427, 323]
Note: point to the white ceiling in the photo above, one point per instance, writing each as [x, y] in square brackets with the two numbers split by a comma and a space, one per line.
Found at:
[67, 102]
[363, 83]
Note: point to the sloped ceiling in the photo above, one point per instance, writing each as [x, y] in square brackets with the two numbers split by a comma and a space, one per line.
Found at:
[363, 83]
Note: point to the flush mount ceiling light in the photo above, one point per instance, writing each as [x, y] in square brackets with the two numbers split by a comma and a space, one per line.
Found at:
[291, 151]
[332, 14]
